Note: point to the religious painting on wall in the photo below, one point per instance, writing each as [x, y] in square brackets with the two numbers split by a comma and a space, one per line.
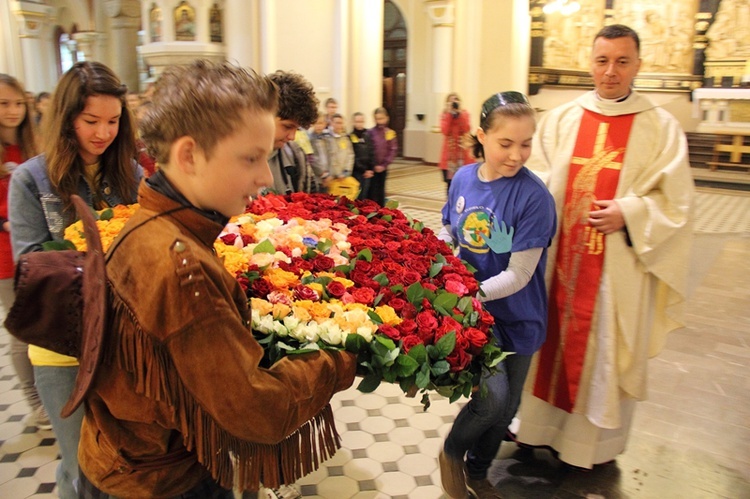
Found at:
[215, 24]
[184, 22]
[154, 18]
[672, 41]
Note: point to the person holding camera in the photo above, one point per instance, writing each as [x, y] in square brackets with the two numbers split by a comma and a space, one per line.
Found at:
[454, 124]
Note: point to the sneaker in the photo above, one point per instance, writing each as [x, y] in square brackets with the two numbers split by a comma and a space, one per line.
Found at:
[482, 489]
[283, 492]
[41, 419]
[452, 476]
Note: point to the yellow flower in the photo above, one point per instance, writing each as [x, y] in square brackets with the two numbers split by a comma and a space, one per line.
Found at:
[280, 279]
[280, 310]
[388, 315]
[262, 306]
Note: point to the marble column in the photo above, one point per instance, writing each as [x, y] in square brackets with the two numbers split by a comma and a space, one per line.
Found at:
[33, 22]
[441, 14]
[125, 18]
[86, 44]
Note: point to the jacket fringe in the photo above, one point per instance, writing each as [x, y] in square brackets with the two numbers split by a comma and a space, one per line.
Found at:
[155, 377]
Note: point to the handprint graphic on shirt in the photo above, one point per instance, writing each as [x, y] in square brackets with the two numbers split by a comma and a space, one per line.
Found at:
[500, 239]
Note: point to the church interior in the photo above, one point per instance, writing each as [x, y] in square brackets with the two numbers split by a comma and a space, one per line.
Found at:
[690, 437]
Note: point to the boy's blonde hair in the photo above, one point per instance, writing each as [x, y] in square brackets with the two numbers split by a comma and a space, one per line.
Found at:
[203, 100]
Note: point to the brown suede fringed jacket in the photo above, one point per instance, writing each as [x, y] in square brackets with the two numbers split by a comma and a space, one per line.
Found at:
[180, 394]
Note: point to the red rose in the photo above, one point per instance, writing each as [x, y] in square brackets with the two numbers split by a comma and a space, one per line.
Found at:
[427, 321]
[228, 239]
[323, 263]
[247, 239]
[427, 336]
[409, 342]
[397, 304]
[365, 296]
[456, 287]
[407, 327]
[260, 288]
[393, 246]
[336, 289]
[458, 359]
[302, 292]
[477, 340]
[430, 286]
[409, 311]
[485, 318]
[244, 282]
[390, 332]
[410, 277]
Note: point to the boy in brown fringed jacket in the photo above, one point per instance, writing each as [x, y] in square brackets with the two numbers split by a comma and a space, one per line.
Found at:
[180, 394]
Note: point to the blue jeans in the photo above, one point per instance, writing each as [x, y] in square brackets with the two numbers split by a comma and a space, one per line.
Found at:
[55, 385]
[481, 425]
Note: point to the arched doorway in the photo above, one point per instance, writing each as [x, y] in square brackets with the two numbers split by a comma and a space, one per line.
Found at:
[394, 68]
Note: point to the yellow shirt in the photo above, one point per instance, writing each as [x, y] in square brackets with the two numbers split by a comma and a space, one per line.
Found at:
[42, 357]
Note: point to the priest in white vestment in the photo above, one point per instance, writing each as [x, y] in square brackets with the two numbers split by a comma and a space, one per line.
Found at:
[620, 274]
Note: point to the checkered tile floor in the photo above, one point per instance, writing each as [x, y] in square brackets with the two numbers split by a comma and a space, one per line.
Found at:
[390, 445]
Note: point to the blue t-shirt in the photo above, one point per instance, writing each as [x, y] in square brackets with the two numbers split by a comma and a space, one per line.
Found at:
[491, 220]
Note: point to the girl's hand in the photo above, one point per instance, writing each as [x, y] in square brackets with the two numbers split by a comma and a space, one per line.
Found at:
[379, 169]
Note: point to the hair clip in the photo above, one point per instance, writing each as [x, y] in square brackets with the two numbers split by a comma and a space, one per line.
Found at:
[502, 99]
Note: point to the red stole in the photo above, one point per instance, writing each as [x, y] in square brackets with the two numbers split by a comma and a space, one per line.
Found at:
[593, 175]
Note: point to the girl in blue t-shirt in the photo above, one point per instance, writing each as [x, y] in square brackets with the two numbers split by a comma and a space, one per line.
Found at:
[501, 217]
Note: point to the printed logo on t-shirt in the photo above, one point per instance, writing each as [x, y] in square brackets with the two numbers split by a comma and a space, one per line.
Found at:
[479, 231]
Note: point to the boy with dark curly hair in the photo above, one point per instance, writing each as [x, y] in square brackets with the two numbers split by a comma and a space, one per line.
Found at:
[298, 107]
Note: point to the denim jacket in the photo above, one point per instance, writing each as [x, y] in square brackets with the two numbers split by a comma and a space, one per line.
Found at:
[36, 210]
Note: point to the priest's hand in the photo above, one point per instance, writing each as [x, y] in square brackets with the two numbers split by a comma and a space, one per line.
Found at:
[608, 218]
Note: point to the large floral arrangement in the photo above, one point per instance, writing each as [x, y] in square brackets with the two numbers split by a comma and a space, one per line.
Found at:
[329, 273]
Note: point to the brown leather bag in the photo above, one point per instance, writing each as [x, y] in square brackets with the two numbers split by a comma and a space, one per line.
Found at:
[61, 303]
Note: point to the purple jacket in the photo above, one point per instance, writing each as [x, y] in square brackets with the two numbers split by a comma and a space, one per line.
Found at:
[384, 145]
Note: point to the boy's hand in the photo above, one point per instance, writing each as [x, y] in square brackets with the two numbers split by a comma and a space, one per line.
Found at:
[379, 169]
[368, 174]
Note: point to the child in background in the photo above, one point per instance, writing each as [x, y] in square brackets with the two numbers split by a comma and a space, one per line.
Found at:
[322, 145]
[89, 152]
[332, 107]
[362, 154]
[385, 146]
[17, 144]
[342, 154]
[160, 421]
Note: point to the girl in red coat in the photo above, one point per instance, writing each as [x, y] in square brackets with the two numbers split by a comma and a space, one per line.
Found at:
[454, 124]
[17, 144]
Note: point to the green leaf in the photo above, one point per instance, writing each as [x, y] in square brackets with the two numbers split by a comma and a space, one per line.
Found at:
[398, 288]
[440, 367]
[369, 383]
[374, 317]
[464, 304]
[435, 269]
[417, 226]
[385, 341]
[355, 343]
[392, 204]
[58, 245]
[381, 279]
[445, 345]
[387, 218]
[440, 258]
[406, 365]
[264, 246]
[445, 302]
[365, 254]
[324, 246]
[342, 268]
[415, 293]
[370, 215]
[423, 377]
[418, 353]
[107, 214]
[469, 267]
[426, 401]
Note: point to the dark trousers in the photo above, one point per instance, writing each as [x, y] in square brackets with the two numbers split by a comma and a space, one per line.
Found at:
[207, 489]
[377, 188]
